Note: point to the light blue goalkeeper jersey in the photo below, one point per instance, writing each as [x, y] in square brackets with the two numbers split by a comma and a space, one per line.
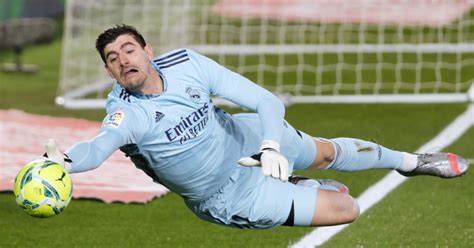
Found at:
[179, 138]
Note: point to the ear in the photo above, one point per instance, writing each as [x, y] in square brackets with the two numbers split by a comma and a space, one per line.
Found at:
[149, 51]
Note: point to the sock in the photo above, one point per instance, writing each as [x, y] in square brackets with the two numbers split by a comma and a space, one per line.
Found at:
[355, 155]
[409, 162]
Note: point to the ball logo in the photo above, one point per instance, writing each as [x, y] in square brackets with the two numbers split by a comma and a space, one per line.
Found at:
[115, 119]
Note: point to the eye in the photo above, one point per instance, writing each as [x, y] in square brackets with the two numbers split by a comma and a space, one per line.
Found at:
[130, 51]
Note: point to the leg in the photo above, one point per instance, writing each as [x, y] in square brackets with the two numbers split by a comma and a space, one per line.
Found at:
[334, 208]
[333, 205]
[320, 205]
[348, 154]
[325, 154]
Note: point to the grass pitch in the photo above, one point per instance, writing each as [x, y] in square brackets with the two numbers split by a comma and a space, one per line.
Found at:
[423, 212]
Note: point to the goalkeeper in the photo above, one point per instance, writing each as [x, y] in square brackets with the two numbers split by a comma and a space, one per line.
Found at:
[234, 170]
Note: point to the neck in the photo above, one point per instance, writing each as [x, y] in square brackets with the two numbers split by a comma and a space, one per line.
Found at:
[154, 84]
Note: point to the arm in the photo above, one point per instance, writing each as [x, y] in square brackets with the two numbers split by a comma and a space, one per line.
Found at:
[243, 92]
[89, 155]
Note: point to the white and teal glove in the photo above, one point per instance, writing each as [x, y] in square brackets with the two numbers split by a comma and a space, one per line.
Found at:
[273, 163]
[54, 154]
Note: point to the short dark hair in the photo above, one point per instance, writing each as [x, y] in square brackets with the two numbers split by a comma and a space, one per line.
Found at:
[111, 34]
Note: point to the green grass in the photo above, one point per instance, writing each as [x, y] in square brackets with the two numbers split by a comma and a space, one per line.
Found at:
[423, 212]
[35, 92]
[326, 33]
[167, 222]
[390, 77]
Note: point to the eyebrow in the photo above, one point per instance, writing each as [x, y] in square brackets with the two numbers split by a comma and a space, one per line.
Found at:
[121, 47]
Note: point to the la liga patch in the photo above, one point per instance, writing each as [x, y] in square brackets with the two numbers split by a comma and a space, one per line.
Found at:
[115, 119]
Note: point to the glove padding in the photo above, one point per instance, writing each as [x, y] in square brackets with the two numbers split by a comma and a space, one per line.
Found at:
[273, 163]
[54, 154]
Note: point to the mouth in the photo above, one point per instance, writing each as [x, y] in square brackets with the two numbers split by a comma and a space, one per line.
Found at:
[129, 72]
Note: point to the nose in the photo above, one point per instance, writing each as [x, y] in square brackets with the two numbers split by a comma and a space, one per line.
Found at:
[123, 59]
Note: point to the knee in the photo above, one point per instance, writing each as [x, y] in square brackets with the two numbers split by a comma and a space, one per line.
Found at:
[349, 209]
[334, 208]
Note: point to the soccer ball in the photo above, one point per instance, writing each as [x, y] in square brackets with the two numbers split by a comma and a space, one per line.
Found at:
[43, 188]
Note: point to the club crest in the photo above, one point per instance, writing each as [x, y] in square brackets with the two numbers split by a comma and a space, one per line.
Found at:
[193, 94]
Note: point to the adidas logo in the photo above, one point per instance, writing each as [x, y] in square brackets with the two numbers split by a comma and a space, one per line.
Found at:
[158, 116]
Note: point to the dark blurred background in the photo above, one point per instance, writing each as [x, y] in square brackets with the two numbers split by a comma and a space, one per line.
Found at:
[11, 9]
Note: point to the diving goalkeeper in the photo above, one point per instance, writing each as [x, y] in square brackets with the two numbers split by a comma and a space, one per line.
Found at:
[234, 170]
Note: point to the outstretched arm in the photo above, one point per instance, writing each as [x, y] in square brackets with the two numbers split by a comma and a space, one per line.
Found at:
[114, 133]
[88, 155]
[85, 155]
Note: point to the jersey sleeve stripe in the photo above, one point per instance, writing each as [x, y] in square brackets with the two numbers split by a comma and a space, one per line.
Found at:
[170, 56]
[175, 63]
[170, 60]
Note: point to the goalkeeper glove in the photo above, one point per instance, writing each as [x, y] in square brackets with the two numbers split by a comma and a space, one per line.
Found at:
[273, 163]
[53, 154]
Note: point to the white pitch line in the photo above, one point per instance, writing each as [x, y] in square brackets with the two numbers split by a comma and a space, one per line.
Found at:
[379, 190]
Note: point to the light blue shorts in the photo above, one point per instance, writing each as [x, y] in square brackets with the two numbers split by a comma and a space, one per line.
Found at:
[251, 200]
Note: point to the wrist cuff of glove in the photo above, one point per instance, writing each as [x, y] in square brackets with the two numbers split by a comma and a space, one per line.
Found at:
[270, 144]
[67, 161]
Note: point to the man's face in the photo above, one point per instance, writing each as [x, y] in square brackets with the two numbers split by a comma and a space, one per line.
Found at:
[128, 62]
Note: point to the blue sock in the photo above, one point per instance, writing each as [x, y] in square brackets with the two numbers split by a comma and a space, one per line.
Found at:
[355, 155]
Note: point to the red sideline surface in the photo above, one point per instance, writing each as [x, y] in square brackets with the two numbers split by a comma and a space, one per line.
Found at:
[23, 136]
[408, 13]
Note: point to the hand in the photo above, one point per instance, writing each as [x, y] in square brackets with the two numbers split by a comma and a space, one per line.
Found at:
[53, 154]
[273, 163]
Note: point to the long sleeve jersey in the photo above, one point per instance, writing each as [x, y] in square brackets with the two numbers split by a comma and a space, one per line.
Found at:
[178, 137]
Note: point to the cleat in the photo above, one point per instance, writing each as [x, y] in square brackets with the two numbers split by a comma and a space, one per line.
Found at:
[329, 184]
[444, 165]
[326, 184]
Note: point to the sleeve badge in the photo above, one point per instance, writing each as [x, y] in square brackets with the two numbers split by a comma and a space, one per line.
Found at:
[114, 120]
